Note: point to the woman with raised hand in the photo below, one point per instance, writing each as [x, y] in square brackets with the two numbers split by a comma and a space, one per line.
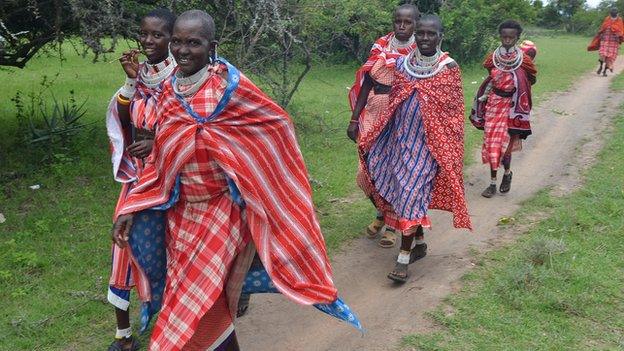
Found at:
[131, 124]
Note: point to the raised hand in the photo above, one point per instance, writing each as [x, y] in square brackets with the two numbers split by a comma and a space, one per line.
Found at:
[130, 62]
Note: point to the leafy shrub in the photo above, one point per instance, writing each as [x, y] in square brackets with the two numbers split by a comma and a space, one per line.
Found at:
[48, 128]
[471, 25]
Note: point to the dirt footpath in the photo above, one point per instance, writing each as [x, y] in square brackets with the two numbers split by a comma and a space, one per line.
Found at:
[565, 127]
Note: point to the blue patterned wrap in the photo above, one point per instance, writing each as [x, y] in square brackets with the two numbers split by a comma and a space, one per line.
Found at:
[259, 282]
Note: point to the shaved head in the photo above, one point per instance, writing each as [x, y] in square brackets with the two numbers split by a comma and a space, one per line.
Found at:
[433, 19]
[408, 7]
[207, 25]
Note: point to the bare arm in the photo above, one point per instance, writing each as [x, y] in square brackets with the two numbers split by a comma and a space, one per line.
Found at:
[362, 98]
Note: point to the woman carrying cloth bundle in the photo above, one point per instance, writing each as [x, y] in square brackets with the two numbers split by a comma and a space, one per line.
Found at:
[369, 95]
[502, 106]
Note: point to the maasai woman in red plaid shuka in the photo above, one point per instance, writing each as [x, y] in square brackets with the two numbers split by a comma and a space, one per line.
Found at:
[502, 106]
[243, 187]
[369, 96]
[131, 120]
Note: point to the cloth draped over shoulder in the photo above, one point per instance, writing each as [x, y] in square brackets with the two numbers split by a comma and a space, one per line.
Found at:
[378, 51]
[252, 139]
[442, 105]
[615, 25]
[130, 264]
[519, 115]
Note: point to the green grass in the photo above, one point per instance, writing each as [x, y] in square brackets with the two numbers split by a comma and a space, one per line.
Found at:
[54, 245]
[562, 286]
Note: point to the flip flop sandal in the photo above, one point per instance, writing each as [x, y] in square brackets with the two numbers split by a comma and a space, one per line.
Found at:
[397, 277]
[117, 345]
[388, 239]
[418, 252]
[374, 228]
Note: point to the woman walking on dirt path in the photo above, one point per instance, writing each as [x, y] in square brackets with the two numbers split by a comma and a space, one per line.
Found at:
[369, 96]
[413, 153]
[502, 105]
[608, 40]
[131, 121]
[231, 155]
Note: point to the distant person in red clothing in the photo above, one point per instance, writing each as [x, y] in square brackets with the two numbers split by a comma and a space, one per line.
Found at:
[608, 40]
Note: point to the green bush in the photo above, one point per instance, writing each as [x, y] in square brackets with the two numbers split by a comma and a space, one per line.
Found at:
[471, 25]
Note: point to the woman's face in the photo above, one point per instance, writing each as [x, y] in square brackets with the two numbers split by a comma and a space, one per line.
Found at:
[509, 37]
[190, 46]
[404, 24]
[154, 37]
[427, 37]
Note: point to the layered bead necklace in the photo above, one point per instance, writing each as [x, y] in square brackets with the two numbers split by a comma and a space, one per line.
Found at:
[396, 44]
[161, 71]
[187, 86]
[507, 60]
[420, 66]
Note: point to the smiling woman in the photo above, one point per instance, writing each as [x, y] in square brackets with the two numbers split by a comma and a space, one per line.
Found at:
[131, 122]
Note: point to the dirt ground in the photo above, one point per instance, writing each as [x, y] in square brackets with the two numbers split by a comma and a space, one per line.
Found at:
[567, 129]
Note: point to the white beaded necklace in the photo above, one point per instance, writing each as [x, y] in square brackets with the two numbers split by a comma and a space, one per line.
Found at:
[194, 82]
[507, 64]
[163, 70]
[422, 67]
[397, 44]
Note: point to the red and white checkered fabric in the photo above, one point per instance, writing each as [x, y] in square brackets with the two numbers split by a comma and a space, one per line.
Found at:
[496, 131]
[206, 232]
[609, 47]
[125, 272]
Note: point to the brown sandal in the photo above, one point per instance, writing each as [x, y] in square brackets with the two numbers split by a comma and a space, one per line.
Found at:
[388, 239]
[374, 228]
[399, 274]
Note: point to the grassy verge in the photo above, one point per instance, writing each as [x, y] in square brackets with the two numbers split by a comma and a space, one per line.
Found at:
[54, 245]
[561, 286]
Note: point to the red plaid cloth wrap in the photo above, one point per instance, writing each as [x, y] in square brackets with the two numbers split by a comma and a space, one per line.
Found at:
[125, 271]
[442, 107]
[253, 143]
[500, 116]
[609, 47]
[608, 39]
[379, 51]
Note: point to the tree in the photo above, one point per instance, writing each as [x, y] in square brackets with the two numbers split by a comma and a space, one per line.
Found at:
[28, 26]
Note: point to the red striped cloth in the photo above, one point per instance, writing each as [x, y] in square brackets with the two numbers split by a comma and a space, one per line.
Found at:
[609, 47]
[380, 50]
[206, 233]
[125, 271]
[496, 130]
[253, 142]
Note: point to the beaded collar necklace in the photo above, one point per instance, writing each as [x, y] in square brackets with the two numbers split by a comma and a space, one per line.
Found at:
[507, 60]
[191, 83]
[420, 66]
[161, 70]
[397, 44]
